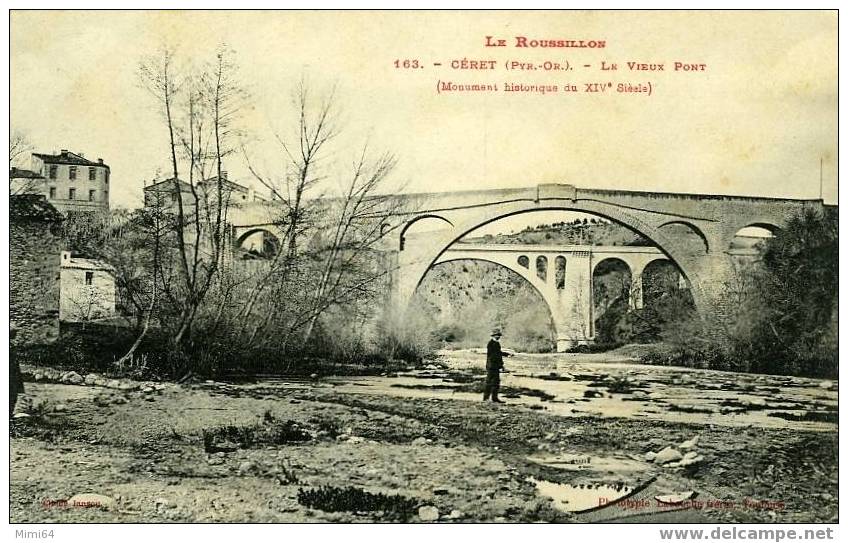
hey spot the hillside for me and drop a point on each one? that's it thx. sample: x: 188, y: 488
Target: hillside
x: 576, y: 232
x: 466, y: 299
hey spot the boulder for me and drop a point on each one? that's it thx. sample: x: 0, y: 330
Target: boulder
x: 667, y: 455
x: 72, y: 378
x: 428, y: 513
x: 456, y: 514
x: 90, y: 379
x: 650, y: 456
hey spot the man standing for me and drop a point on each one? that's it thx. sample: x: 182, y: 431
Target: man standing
x: 494, y: 366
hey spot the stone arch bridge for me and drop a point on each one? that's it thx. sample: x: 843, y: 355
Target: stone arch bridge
x: 694, y: 231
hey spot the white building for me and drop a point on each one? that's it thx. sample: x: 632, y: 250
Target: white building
x: 86, y: 289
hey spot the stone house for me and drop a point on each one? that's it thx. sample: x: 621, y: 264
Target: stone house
x: 34, y: 246
x: 68, y: 180
x: 87, y: 289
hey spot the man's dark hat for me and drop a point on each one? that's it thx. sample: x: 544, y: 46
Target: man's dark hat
x: 496, y: 332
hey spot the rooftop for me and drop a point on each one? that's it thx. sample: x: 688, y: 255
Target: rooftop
x: 69, y: 261
x: 67, y: 157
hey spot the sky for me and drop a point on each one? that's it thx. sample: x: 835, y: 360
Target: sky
x: 759, y: 120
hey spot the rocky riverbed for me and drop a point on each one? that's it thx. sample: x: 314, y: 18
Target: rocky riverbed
x: 666, y: 444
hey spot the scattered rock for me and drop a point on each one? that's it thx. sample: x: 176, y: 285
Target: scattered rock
x: 691, y: 460
x: 246, y: 467
x: 100, y: 382
x: 120, y: 400
x: 90, y: 379
x: 650, y: 456
x: 428, y: 513
x: 691, y: 443
x: 148, y: 389
x: 669, y: 454
x: 355, y: 439
x: 72, y: 378
x: 21, y: 416
x: 162, y: 503
x: 60, y: 408
x: 113, y: 383
x: 91, y: 500
x: 421, y: 441
x: 456, y: 514
x: 827, y: 385
x: 215, y: 460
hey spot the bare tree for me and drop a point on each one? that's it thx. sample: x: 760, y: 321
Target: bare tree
x: 329, y: 238
x: 199, y: 135
x: 19, y: 145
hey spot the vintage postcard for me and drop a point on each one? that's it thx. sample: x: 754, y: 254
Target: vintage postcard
x: 572, y: 267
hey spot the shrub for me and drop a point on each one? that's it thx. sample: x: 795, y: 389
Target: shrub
x: 336, y: 499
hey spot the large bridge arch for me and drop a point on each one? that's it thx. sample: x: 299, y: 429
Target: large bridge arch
x: 415, y: 260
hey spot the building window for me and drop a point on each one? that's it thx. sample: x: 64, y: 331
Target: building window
x: 89, y: 278
x: 91, y: 194
x: 72, y: 173
x: 92, y: 173
x: 72, y: 194
x: 53, y: 171
x: 52, y: 193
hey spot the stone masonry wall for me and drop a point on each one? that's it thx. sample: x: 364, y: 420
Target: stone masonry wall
x: 34, y: 280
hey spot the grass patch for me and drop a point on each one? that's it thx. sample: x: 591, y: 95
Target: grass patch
x: 270, y: 432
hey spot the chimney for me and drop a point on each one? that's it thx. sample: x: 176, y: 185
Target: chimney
x: 66, y: 258
x: 82, y: 155
x: 100, y: 161
x: 64, y: 151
